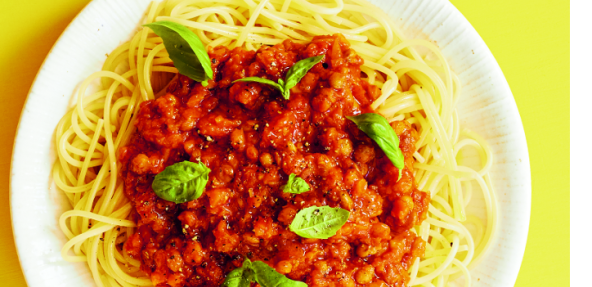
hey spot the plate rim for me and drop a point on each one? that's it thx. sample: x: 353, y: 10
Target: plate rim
x: 17, y: 135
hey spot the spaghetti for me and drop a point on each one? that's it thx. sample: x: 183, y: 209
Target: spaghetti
x: 416, y: 84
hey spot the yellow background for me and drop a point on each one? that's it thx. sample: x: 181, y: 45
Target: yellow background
x: 529, y: 39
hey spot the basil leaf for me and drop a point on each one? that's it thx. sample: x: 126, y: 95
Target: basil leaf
x: 261, y: 273
x: 279, y: 87
x: 268, y: 277
x: 239, y: 277
x: 377, y: 128
x: 181, y: 182
x: 285, y: 92
x: 296, y: 185
x: 293, y: 76
x: 185, y: 49
x: 247, y: 263
x: 319, y: 222
x: 297, y: 72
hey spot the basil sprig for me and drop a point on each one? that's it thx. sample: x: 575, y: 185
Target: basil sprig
x: 280, y: 85
x: 293, y: 76
x: 239, y: 277
x: 268, y: 277
x: 377, y: 128
x: 181, y: 182
x: 296, y: 185
x: 261, y: 273
x: 319, y: 221
x: 185, y: 49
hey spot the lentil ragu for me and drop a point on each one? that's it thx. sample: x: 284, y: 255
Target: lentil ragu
x: 252, y: 140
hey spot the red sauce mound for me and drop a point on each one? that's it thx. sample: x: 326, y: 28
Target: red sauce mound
x: 252, y: 140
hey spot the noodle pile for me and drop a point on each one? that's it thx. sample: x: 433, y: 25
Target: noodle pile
x: 417, y: 87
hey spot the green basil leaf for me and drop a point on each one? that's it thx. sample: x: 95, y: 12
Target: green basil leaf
x: 189, y: 55
x: 285, y: 92
x: 377, y: 128
x: 268, y: 277
x: 296, y: 185
x: 247, y: 263
x: 293, y: 76
x: 279, y: 87
x: 297, y: 72
x: 181, y: 182
x: 319, y: 222
x: 261, y: 273
x: 239, y: 277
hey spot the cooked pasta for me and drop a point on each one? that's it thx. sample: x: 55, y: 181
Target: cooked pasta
x: 416, y: 82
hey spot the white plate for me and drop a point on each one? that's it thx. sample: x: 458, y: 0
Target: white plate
x: 487, y: 107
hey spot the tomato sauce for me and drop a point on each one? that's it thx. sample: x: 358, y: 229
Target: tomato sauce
x: 252, y: 140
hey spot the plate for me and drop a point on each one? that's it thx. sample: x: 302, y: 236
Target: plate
x: 487, y: 107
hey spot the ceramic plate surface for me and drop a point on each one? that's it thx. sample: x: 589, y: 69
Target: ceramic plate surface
x: 487, y: 107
